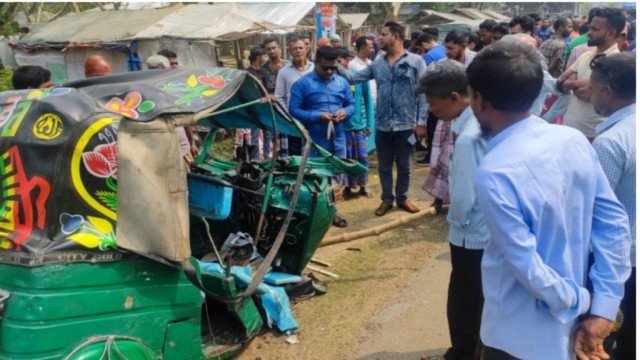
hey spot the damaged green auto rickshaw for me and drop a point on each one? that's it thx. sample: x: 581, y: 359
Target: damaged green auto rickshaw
x: 110, y: 248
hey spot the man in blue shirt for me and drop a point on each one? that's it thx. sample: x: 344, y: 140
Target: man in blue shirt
x: 400, y: 114
x: 434, y: 51
x: 322, y: 101
x: 545, y: 32
x: 445, y: 85
x: 547, y: 204
x: 613, y: 94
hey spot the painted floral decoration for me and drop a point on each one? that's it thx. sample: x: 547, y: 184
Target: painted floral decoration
x: 92, y: 232
x: 102, y: 162
x: 131, y: 106
x: 194, y: 90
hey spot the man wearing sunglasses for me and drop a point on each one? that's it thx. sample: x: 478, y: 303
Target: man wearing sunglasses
x: 322, y: 101
x: 606, y: 25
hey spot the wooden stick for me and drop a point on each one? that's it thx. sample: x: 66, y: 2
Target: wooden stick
x: 323, y: 272
x: 320, y: 262
x: 378, y: 229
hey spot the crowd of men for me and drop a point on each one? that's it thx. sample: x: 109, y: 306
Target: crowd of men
x: 530, y: 130
x: 530, y: 139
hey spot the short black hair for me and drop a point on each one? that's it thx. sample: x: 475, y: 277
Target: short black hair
x: 255, y: 54
x: 508, y: 75
x: 342, y: 51
x: 473, y: 38
x: 534, y: 16
x: 426, y: 38
x: 167, y: 53
x: 395, y: 29
x: 525, y: 22
x: 305, y: 36
x: 326, y: 53
x: 584, y: 28
x: 500, y: 28
x: 615, y: 18
x: 592, y: 13
x: 269, y: 40
x: 619, y: 72
x: 488, y: 24
x: 458, y: 37
x: 432, y: 31
x: 361, y: 42
x: 25, y: 77
x: 559, y: 23
x: 415, y: 34
x: 442, y: 78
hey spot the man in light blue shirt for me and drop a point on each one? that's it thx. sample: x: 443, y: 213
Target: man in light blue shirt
x: 445, y: 85
x: 613, y: 94
x: 399, y: 113
x: 547, y: 204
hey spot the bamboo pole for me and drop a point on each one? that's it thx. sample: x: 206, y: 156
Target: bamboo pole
x: 378, y: 229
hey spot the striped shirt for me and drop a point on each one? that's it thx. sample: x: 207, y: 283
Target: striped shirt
x: 615, y: 145
x: 466, y: 225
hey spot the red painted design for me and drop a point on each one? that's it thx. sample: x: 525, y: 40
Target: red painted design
x: 18, y: 213
x: 126, y: 107
x: 102, y: 161
x: 217, y: 82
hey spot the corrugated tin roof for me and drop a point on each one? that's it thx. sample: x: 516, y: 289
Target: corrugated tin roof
x: 495, y: 15
x: 429, y: 17
x: 354, y: 20
x: 92, y: 27
x: 222, y: 21
x: 284, y: 14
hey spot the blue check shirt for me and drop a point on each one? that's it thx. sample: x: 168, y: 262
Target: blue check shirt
x: 615, y: 144
x: 547, y: 202
x: 467, y: 228
x: 399, y: 107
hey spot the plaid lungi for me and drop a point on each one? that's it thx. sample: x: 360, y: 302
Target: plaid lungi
x: 357, y: 150
x: 437, y: 182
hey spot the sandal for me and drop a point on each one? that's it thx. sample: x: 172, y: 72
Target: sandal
x: 339, y: 222
x: 365, y: 192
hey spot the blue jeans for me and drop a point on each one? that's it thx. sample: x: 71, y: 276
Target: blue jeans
x: 267, y: 138
x: 394, y: 146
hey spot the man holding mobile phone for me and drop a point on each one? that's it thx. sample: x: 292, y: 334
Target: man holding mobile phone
x: 322, y: 101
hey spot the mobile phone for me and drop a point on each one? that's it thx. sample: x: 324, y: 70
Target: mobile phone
x: 412, y: 139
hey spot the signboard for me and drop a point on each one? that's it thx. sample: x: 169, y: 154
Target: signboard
x: 326, y: 19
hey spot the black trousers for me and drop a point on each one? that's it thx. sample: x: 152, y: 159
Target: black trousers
x: 489, y: 353
x: 464, y: 303
x: 626, y: 336
x: 432, y: 122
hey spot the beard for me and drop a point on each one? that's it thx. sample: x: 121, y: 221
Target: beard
x: 595, y: 42
x: 299, y: 60
x: 272, y: 56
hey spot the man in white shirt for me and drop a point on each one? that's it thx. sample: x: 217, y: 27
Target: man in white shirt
x: 364, y: 47
x: 605, y: 27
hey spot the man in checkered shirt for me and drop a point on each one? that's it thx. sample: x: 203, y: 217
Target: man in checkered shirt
x: 553, y: 49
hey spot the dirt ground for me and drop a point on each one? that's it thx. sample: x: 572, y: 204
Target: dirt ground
x: 390, y: 299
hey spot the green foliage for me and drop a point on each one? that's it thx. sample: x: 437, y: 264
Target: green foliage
x: 5, y: 79
x: 108, y: 198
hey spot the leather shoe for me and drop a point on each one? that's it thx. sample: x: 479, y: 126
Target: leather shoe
x: 383, y: 208
x: 408, y: 206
